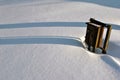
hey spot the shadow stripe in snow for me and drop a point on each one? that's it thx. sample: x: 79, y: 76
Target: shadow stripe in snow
x: 40, y: 40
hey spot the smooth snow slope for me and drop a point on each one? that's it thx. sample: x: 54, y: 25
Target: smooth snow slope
x: 40, y: 40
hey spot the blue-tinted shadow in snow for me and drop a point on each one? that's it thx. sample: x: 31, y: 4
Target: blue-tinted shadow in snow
x: 40, y: 40
x: 109, y: 3
x: 42, y: 24
x: 111, y: 62
x: 114, y: 49
x: 49, y: 24
x: 112, y: 54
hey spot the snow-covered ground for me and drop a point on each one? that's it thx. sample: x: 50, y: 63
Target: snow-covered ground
x: 40, y: 40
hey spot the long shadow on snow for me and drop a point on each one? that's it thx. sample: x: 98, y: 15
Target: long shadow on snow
x: 111, y: 62
x: 109, y: 58
x: 42, y: 24
x: 109, y: 3
x: 49, y: 24
x: 40, y: 40
x: 116, y: 27
x: 114, y: 49
x: 15, y: 2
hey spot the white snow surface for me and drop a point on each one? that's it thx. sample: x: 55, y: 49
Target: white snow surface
x: 40, y: 40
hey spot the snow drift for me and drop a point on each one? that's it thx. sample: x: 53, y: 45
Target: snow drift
x: 40, y: 40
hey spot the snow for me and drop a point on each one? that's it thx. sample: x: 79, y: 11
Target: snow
x: 42, y: 40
